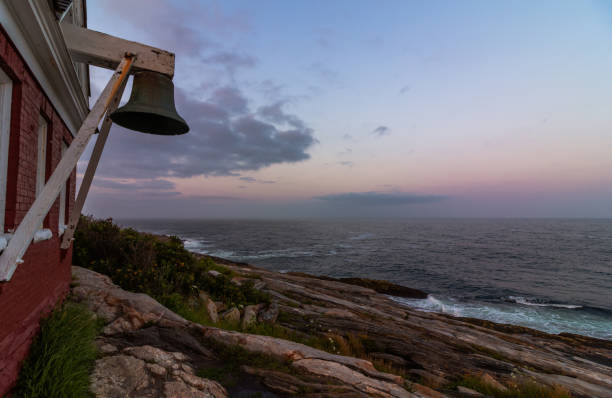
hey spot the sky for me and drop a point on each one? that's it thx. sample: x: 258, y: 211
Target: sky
x: 367, y: 109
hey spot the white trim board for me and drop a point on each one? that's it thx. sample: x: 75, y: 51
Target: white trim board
x: 6, y: 91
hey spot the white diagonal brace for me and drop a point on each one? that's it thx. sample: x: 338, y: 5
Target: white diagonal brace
x: 94, y: 159
x: 20, y: 241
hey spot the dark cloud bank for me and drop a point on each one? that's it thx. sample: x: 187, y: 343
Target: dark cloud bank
x: 226, y: 138
x: 380, y: 198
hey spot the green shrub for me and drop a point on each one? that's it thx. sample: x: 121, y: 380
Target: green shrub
x: 62, y: 356
x: 159, y: 266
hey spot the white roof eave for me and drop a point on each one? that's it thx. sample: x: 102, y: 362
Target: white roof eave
x: 36, y: 33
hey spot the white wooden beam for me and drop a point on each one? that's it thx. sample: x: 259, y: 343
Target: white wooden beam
x: 100, y: 49
x: 94, y: 159
x: 17, y: 246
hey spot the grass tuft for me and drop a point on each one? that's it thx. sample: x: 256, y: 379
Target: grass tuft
x: 62, y: 356
x: 525, y: 389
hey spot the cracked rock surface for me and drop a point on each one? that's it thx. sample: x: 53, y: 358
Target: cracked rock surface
x: 146, y: 371
x: 149, y: 351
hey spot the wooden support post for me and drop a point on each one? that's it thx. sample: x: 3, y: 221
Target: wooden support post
x: 91, y: 170
x: 17, y: 246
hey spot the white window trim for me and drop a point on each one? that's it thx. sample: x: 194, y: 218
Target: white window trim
x: 41, y: 157
x: 61, y: 223
x: 6, y: 92
x: 41, y: 154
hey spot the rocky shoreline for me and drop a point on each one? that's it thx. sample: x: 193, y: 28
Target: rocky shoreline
x: 376, y: 346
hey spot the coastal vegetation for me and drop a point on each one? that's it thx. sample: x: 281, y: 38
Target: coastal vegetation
x: 62, y: 356
x: 161, y: 267
x: 525, y: 389
x: 341, y: 319
x: 158, y: 266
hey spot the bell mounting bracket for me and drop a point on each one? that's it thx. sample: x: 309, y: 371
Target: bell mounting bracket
x: 99, y: 49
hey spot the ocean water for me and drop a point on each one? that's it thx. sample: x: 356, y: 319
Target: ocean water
x: 551, y: 275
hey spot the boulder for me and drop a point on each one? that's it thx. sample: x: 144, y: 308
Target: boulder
x: 434, y: 346
x: 137, y: 372
x: 290, y: 351
x: 250, y: 315
x: 177, y: 341
x: 153, y: 355
x: 119, y: 376
x: 211, y: 310
x: 157, y: 370
x: 238, y: 280
x: 231, y: 315
x: 366, y: 384
x: 107, y: 348
x: 220, y: 306
x: 111, y: 303
x: 259, y: 284
x: 181, y: 390
x: 270, y: 314
x: 214, y: 273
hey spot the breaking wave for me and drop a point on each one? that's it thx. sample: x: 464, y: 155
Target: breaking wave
x: 537, y: 303
x: 547, y: 317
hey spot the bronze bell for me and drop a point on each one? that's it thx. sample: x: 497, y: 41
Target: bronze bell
x: 151, y: 106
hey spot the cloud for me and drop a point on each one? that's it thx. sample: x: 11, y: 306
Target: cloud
x: 380, y: 198
x: 179, y: 23
x: 270, y: 89
x: 324, y: 72
x: 143, y: 184
x: 274, y: 113
x: 323, y: 37
x: 224, y: 139
x: 202, y: 34
x: 347, y: 151
x: 230, y: 133
x: 381, y: 131
x: 229, y: 99
x: 252, y: 179
x: 231, y: 61
x: 405, y: 89
x: 346, y: 163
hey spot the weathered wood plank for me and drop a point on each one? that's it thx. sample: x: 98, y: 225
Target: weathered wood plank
x: 20, y: 241
x: 99, y: 49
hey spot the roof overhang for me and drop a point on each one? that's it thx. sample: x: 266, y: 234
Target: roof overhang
x: 33, y: 28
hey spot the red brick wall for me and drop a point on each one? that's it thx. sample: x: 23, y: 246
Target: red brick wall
x: 44, y: 276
